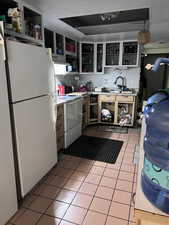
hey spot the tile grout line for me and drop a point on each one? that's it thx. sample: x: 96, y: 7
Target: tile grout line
x: 114, y: 189
x: 73, y: 200
x: 61, y: 188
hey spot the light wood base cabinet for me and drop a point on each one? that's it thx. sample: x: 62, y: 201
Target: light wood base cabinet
x: 116, y: 104
x: 60, y: 127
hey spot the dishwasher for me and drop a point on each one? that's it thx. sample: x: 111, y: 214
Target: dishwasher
x: 72, y: 121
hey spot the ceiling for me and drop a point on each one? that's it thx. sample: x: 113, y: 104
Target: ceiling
x: 54, y: 10
x: 98, y: 24
x: 119, y: 17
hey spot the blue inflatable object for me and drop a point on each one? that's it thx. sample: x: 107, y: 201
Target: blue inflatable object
x: 158, y: 62
x: 157, y: 195
x: 155, y: 174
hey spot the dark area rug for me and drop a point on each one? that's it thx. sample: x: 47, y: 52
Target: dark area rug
x: 113, y: 129
x: 100, y: 149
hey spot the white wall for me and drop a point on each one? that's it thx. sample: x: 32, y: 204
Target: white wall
x: 107, y: 80
x: 67, y: 79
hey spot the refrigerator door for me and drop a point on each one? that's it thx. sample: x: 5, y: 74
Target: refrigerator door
x: 36, y: 140
x: 30, y: 67
x: 8, y: 198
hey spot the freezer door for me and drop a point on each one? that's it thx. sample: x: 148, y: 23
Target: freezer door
x: 8, y: 198
x: 36, y: 140
x: 30, y: 68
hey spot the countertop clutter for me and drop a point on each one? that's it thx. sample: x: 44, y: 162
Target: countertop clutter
x: 75, y: 95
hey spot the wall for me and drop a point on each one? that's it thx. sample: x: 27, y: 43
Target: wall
x: 107, y: 80
x: 67, y: 79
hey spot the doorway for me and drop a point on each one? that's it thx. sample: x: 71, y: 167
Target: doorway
x: 150, y: 81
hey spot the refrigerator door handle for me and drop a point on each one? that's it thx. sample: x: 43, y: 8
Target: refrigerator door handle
x: 2, y: 40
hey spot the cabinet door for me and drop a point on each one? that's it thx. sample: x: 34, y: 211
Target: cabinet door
x: 59, y: 44
x: 99, y: 58
x: 32, y: 23
x: 49, y: 39
x: 87, y: 58
x: 130, y: 53
x: 112, y: 54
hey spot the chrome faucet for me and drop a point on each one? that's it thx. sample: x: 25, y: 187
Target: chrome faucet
x: 123, y: 85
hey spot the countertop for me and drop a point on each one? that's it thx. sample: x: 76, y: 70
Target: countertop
x: 102, y: 93
x: 75, y: 95
x: 112, y: 93
x: 66, y: 98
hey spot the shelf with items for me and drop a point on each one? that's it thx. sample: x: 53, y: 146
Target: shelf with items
x: 15, y: 16
x: 59, y: 44
x: 112, y: 54
x: 130, y: 53
x: 107, y: 112
x: 49, y: 39
x: 22, y: 37
x: 107, y: 108
x: 10, y: 14
x: 32, y: 23
x: 125, y: 113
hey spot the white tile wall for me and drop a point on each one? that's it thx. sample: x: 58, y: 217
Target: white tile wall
x: 107, y: 80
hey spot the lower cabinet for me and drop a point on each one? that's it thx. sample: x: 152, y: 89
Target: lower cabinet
x: 85, y: 111
x: 93, y: 109
x: 116, y: 109
x: 60, y: 126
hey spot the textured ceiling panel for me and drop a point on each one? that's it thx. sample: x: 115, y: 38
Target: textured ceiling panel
x: 120, y: 17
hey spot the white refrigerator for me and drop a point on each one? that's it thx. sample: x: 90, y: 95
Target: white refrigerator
x: 8, y: 196
x: 30, y: 71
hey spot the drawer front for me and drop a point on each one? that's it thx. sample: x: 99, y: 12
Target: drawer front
x: 60, y: 110
x: 107, y: 98
x: 125, y: 98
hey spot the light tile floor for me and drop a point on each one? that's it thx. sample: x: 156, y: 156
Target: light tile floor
x: 85, y: 192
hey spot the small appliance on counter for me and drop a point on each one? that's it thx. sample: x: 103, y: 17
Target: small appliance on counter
x: 61, y: 89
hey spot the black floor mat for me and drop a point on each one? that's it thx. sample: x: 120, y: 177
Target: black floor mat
x: 100, y: 149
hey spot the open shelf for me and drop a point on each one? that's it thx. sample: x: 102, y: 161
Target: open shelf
x: 33, y: 23
x: 23, y: 38
x: 110, y: 106
x: 125, y: 110
x: 5, y: 5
